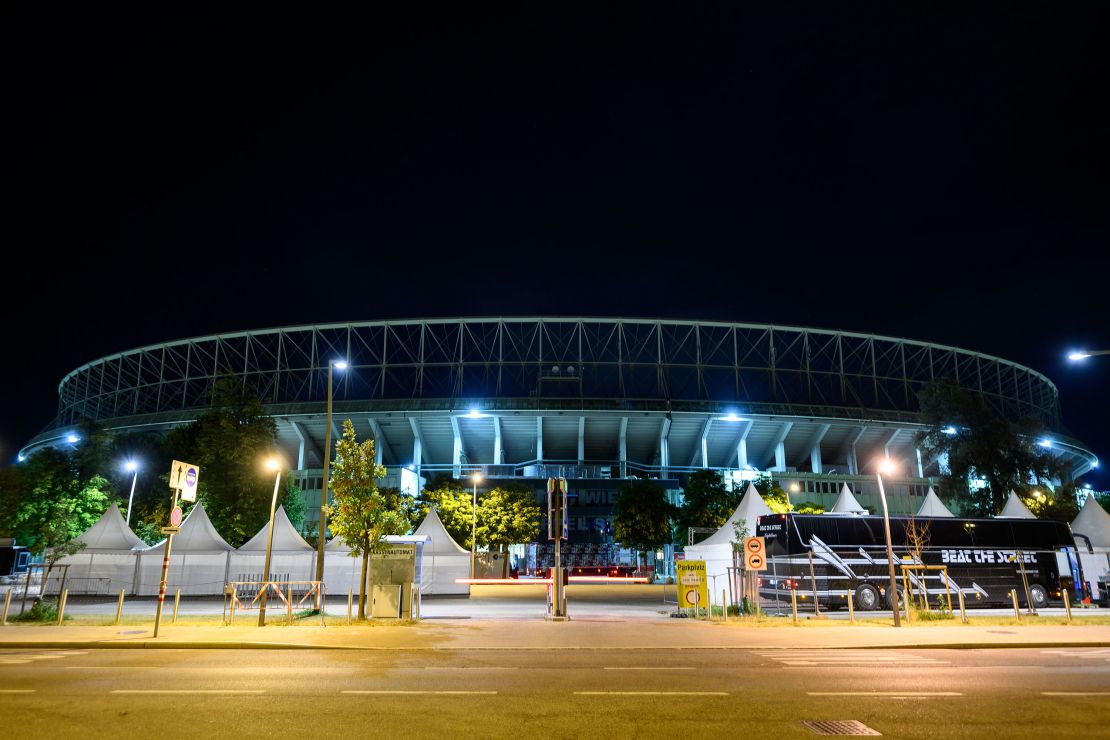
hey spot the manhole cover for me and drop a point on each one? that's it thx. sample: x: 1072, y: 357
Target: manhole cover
x: 839, y: 727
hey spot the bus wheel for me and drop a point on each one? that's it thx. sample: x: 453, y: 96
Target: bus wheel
x: 1038, y: 596
x: 867, y: 597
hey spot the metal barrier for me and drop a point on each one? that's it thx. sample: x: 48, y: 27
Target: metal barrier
x: 240, y: 595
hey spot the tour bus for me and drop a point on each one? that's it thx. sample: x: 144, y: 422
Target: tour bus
x: 829, y: 556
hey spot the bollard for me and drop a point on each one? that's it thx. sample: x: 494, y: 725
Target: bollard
x: 963, y: 612
x: 119, y: 608
x: 906, y: 598
x: 7, y: 603
x: 350, y: 605
x: 62, y: 606
x: 1017, y: 611
x: 794, y: 605
x: 1067, y: 606
x: 289, y: 605
x: 724, y: 605
x: 176, y: 603
x: 851, y: 607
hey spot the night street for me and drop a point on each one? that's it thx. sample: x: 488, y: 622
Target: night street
x: 556, y: 692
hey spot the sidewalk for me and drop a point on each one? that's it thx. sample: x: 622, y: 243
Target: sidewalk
x: 583, y: 634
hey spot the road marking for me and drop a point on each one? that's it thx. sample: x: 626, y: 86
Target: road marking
x: 469, y: 668
x: 847, y: 659
x: 648, y: 668
x: 416, y: 693
x: 17, y: 691
x: 7, y: 661
x: 187, y: 691
x: 1075, y: 693
x: 896, y: 694
x: 1089, y: 654
x: 651, y: 693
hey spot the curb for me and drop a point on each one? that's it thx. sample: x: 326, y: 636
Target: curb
x: 162, y: 645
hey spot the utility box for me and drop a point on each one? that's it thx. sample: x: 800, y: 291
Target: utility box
x: 394, y: 577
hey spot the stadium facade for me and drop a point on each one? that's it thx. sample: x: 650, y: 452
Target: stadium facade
x: 596, y: 400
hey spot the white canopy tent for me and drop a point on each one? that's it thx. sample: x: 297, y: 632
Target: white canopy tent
x: 199, y: 560
x: 107, y: 561
x: 291, y: 558
x: 444, y: 559
x: 1015, y: 509
x: 1094, y: 523
x: 846, y: 503
x: 341, y: 571
x: 933, y: 506
x: 716, y: 550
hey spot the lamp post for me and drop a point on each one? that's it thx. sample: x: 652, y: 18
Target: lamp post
x: 1081, y: 355
x: 271, y: 464
x: 338, y: 365
x: 475, y: 478
x: 132, y: 467
x: 887, y: 466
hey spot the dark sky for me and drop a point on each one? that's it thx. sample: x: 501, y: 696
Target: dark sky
x: 939, y: 174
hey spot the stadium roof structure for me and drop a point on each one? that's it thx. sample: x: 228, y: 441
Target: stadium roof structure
x: 598, y: 397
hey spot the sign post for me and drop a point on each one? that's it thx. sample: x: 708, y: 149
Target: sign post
x: 557, y: 530
x: 183, y: 481
x: 755, y: 561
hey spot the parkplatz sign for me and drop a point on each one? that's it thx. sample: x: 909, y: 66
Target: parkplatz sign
x: 693, y: 589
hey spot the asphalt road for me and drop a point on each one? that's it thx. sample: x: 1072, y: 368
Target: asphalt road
x: 583, y: 692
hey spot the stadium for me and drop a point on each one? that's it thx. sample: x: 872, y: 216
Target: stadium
x: 595, y: 400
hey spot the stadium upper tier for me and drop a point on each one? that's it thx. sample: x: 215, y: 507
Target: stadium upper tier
x: 653, y: 394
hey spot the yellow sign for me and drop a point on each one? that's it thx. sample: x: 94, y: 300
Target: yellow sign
x: 693, y: 590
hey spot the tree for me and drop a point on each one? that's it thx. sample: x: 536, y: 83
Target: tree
x: 453, y: 503
x: 706, y: 502
x: 1046, y: 503
x: 642, y: 517
x: 292, y: 501
x: 779, y: 502
x: 362, y: 514
x: 229, y: 442
x: 507, y: 516
x: 980, y: 443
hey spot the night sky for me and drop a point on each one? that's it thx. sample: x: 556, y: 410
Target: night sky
x: 938, y: 174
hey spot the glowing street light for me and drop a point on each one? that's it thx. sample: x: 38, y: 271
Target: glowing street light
x: 792, y: 488
x: 1080, y: 355
x: 475, y: 478
x: 72, y: 438
x: 132, y: 467
x: 887, y: 466
x: 273, y: 464
x: 337, y: 365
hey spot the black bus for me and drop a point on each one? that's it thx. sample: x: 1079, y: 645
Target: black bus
x: 833, y: 555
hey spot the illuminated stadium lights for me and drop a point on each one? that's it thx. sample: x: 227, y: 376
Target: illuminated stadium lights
x: 1045, y: 443
x: 731, y: 417
x: 949, y: 430
x: 475, y: 414
x: 72, y: 439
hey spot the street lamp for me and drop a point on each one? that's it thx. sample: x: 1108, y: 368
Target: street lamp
x: 475, y: 478
x: 792, y: 488
x: 271, y: 464
x: 1080, y: 355
x: 132, y: 467
x: 338, y: 365
x: 887, y: 466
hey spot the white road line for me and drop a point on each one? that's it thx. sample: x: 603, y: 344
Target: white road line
x: 857, y: 663
x: 187, y: 691
x: 17, y: 691
x: 470, y: 668
x: 13, y: 662
x: 884, y: 693
x: 647, y: 668
x: 1075, y: 693
x: 417, y: 693
x: 651, y: 693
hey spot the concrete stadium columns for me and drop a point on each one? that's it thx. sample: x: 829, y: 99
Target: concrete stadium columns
x: 813, y: 447
x: 539, y: 439
x: 665, y: 445
x: 624, y: 447
x: 456, y: 447
x: 742, y: 445
x: 381, y: 445
x: 498, y: 452
x: 850, y: 450
x: 581, y: 439
x: 778, y: 446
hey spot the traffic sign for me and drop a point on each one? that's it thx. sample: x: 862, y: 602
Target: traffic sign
x: 175, y: 517
x: 755, y: 553
x: 184, y: 478
x: 693, y: 589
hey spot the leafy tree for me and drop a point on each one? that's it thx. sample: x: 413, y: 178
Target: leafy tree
x: 706, y: 502
x: 228, y: 442
x: 1045, y: 503
x: 13, y: 490
x: 152, y: 494
x: 642, y: 517
x: 779, y: 502
x: 292, y: 501
x: 985, y: 445
x: 362, y: 513
x: 453, y: 503
x: 507, y: 516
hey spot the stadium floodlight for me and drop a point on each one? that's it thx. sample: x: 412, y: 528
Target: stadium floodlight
x: 1045, y: 443
x: 339, y: 364
x: 888, y: 466
x: 21, y: 457
x: 72, y: 438
x: 474, y: 414
x: 731, y: 416
x: 949, y: 430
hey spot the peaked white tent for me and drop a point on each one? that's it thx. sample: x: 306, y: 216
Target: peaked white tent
x: 290, y: 556
x: 199, y: 560
x: 107, y: 562
x: 1094, y: 523
x: 444, y: 559
x: 716, y: 550
x: 933, y: 506
x: 1014, y: 509
x: 341, y: 571
x: 846, y: 503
